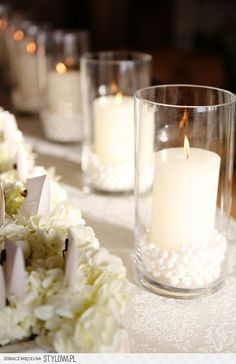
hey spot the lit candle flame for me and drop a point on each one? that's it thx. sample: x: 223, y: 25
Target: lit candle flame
x: 184, y: 121
x: 18, y: 35
x: 186, y: 147
x: 114, y: 87
x: 183, y: 124
x: 70, y: 62
x: 118, y: 98
x: 3, y: 24
x: 61, y: 68
x: 31, y: 47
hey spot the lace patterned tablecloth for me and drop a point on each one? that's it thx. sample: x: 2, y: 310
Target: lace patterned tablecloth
x: 154, y: 323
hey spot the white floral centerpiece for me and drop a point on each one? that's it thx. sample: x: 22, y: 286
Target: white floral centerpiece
x: 85, y: 319
x: 82, y: 318
x: 10, y: 139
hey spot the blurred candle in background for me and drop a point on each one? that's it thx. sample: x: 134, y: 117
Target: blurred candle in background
x: 109, y: 80
x: 61, y: 112
x: 4, y: 16
x: 15, y: 35
x: 63, y: 90
x: 25, y: 95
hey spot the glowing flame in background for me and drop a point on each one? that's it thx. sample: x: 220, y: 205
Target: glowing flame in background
x: 3, y: 24
x: 31, y: 47
x: 118, y: 98
x: 60, y: 68
x: 18, y: 35
x: 114, y: 87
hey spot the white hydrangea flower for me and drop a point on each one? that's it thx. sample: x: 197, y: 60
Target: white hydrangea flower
x: 8, y: 127
x: 88, y: 318
x: 8, y: 152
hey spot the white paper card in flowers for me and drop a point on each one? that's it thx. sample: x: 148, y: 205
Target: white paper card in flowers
x: 2, y: 206
x: 14, y: 268
x: 2, y: 289
x: 72, y: 261
x: 22, y: 163
x: 37, y: 201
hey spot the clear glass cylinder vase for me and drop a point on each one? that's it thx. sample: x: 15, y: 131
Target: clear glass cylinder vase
x: 4, y: 25
x: 25, y: 91
x: 109, y: 80
x: 61, y: 111
x: 184, y: 164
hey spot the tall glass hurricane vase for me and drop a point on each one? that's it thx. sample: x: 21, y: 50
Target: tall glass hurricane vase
x: 61, y: 111
x: 184, y: 164
x: 109, y: 80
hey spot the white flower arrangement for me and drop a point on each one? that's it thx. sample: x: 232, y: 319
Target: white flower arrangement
x: 10, y: 140
x: 85, y: 318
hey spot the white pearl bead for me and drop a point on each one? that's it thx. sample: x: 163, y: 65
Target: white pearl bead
x: 207, y: 278
x: 170, y: 264
x: 174, y: 281
x: 198, y: 281
x: 186, y: 282
x: 173, y: 256
x: 163, y: 254
x: 180, y: 271
x: 168, y: 274
x: 183, y: 248
x: 156, y: 273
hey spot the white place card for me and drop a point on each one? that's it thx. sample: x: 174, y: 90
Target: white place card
x: 14, y: 267
x: 38, y: 200
x: 2, y: 206
x: 2, y: 289
x: 72, y: 261
x: 22, y: 163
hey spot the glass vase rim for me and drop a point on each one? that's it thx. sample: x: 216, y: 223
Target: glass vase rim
x: 141, y: 57
x: 155, y: 103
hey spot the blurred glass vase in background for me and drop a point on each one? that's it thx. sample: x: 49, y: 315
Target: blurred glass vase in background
x: 109, y: 80
x: 61, y: 111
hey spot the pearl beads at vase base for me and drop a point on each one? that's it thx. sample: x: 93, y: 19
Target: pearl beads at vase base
x: 64, y: 127
x: 108, y: 178
x: 114, y: 178
x: 190, y: 267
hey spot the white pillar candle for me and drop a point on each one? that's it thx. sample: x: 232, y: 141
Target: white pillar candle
x: 63, y: 90
x: 13, y: 46
x: 28, y: 85
x: 114, y: 129
x: 25, y: 94
x: 184, y: 198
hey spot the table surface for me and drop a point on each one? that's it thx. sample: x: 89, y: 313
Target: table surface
x: 154, y: 323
